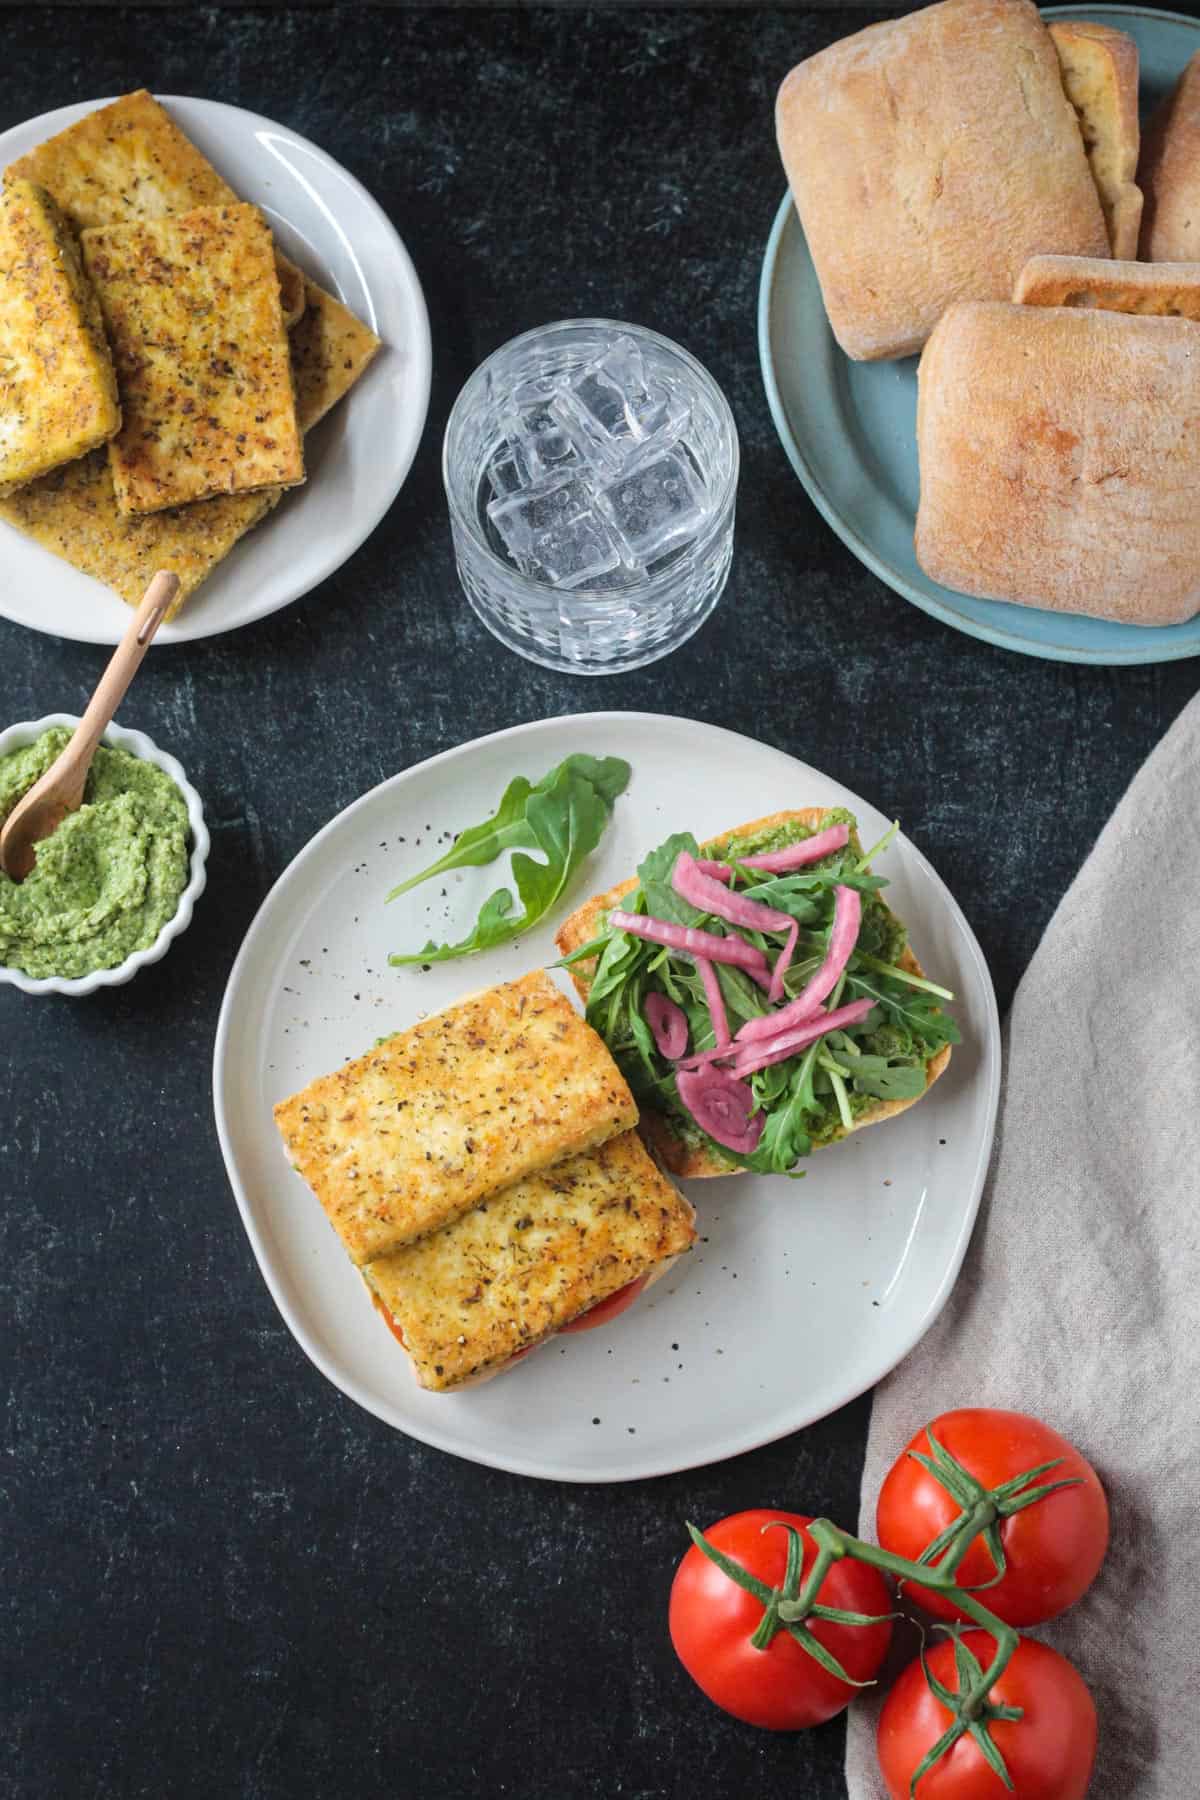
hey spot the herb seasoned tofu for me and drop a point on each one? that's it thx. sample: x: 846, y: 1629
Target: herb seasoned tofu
x: 521, y: 1265
x: 58, y: 393
x: 330, y: 350
x: 74, y: 512
x: 130, y: 161
x: 406, y: 1138
x: 191, y: 305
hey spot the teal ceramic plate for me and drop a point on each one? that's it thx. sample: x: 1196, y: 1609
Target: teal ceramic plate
x: 850, y: 428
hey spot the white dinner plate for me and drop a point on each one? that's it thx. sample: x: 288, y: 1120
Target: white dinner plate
x: 799, y: 1294
x: 357, y: 458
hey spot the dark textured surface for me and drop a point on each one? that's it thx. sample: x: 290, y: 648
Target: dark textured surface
x: 221, y: 1578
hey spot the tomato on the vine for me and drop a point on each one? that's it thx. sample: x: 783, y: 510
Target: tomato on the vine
x: 781, y: 1687
x: 1048, y: 1752
x: 1051, y: 1547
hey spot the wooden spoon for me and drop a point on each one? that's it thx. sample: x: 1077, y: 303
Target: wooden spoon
x: 40, y: 812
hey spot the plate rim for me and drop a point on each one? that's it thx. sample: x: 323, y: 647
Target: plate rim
x: 924, y: 598
x: 420, y: 352
x: 260, y: 928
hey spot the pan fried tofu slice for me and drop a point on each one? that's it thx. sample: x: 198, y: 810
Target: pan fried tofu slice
x: 74, y: 513
x: 130, y: 161
x: 58, y: 393
x: 520, y: 1266
x: 192, y: 309
x: 406, y: 1138
x: 330, y: 350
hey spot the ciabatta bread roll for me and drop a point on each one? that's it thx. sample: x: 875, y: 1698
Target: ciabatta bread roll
x: 1157, y: 290
x: 1100, y: 74
x: 929, y: 158
x: 1060, y: 460
x: 1170, y: 174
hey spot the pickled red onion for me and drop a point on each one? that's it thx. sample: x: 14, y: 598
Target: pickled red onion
x: 733, y: 950
x: 847, y: 917
x: 669, y: 1024
x: 762, y: 1052
x: 716, y: 1001
x: 798, y: 856
x: 722, y: 1107
x: 690, y: 881
x: 782, y: 862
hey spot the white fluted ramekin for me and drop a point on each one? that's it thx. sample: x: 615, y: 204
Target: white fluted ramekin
x: 117, y: 737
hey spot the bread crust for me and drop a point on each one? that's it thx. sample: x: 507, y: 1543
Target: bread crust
x: 1060, y: 460
x: 1099, y: 68
x: 682, y: 1161
x: 1155, y: 290
x: 1170, y: 174
x: 929, y: 158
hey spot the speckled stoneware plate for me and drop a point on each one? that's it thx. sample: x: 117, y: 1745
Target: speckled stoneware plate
x: 799, y: 1295
x: 850, y: 428
x: 356, y: 459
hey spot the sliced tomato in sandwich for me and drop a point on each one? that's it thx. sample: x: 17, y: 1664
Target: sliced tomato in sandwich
x: 605, y: 1311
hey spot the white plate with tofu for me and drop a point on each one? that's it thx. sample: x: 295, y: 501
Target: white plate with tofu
x: 797, y: 1295
x: 356, y: 458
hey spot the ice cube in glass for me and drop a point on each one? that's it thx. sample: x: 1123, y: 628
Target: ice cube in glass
x: 656, y: 505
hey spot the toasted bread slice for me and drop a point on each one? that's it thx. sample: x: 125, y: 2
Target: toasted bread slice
x: 74, y: 513
x: 406, y: 1138
x: 1170, y: 173
x: 1159, y: 290
x: 1100, y: 76
x: 191, y: 305
x: 58, y: 392
x: 524, y: 1263
x: 682, y: 1159
x: 130, y: 161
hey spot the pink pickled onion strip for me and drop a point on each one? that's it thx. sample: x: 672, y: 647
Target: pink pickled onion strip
x: 733, y: 950
x: 783, y: 962
x: 669, y: 1024
x: 722, y: 1107
x: 716, y: 1002
x: 690, y: 881
x: 798, y: 856
x: 782, y: 862
x: 847, y: 917
x: 762, y: 1052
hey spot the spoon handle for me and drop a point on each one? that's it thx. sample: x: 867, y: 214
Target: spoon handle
x: 126, y: 660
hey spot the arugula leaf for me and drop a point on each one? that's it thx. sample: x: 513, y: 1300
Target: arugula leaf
x: 914, y: 1011
x: 512, y: 825
x: 566, y: 820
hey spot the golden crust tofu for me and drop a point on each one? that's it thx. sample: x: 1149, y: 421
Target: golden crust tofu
x: 191, y: 305
x: 58, y: 392
x: 520, y: 1266
x: 130, y: 161
x: 330, y: 350
x: 74, y: 513
x: 404, y: 1139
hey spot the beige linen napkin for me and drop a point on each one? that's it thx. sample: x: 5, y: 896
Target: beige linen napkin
x: 1080, y: 1297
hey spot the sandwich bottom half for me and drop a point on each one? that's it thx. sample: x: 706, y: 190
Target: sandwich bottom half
x: 467, y: 1300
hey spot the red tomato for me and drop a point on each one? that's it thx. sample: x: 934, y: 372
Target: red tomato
x: 605, y: 1311
x: 1053, y: 1548
x: 1049, y: 1753
x: 712, y: 1621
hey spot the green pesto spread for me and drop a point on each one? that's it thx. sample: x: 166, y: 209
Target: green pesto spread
x: 109, y: 878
